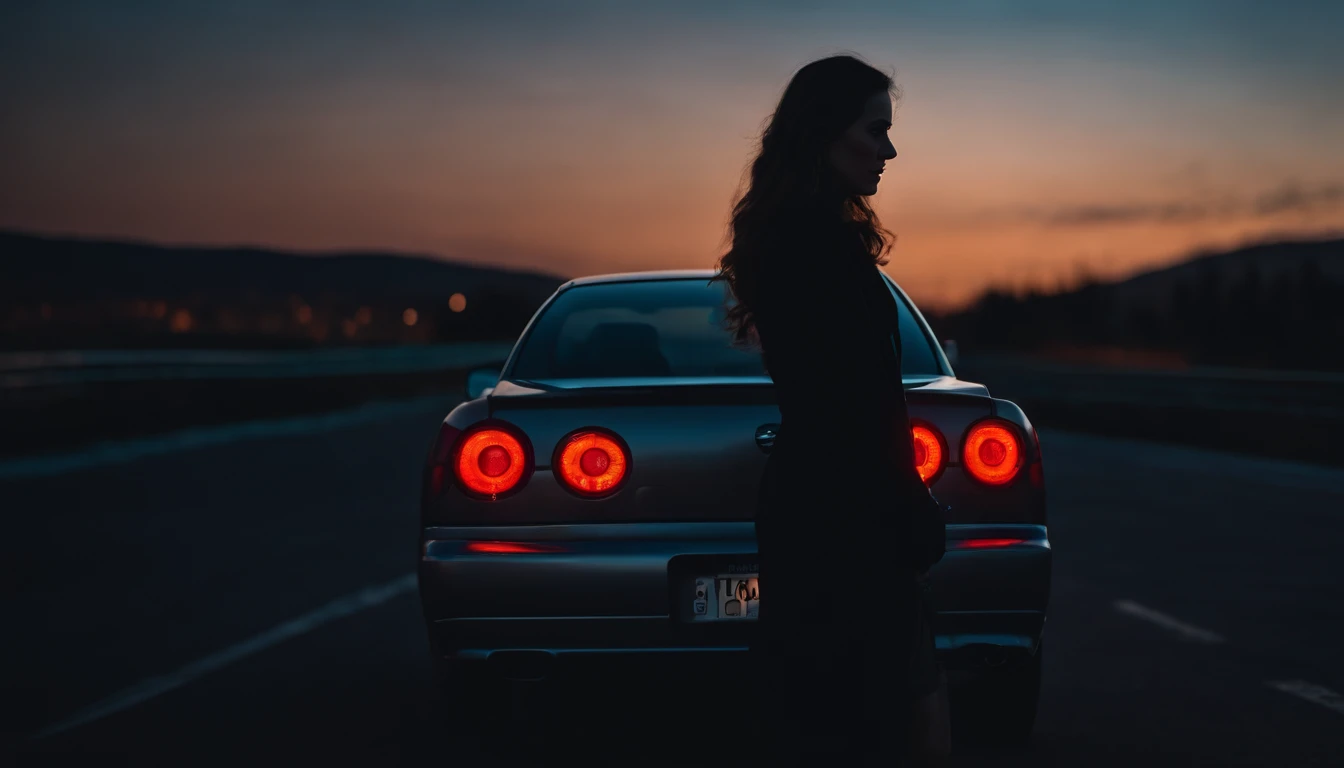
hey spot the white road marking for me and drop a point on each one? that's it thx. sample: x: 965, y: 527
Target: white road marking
x: 122, y: 451
x: 1188, y: 631
x: 1316, y: 694
x: 157, y: 686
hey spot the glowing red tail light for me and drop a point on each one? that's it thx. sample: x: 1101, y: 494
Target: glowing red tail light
x: 509, y: 548
x: 992, y: 452
x: 592, y: 462
x: 988, y: 543
x: 490, y: 461
x: 929, y: 454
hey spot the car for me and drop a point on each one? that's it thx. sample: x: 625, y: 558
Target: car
x: 594, y: 499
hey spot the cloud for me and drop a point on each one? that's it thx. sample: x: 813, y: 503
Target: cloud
x: 1089, y: 215
x: 1292, y: 197
x: 1286, y: 198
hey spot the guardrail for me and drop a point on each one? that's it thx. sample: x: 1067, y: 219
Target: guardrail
x: 1291, y: 414
x: 53, y: 401
x: 50, y: 398
x: 1300, y: 393
x: 26, y: 370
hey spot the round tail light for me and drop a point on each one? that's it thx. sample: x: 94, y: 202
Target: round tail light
x: 992, y: 453
x: 929, y: 453
x: 490, y: 461
x: 592, y: 462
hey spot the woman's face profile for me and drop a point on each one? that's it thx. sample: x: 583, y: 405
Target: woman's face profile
x: 860, y: 154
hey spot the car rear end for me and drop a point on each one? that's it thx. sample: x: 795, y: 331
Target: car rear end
x: 553, y: 567
x: 573, y: 517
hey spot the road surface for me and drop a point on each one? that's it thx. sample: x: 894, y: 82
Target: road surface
x: 240, y: 595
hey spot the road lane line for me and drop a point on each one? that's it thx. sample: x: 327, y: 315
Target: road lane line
x: 1188, y: 631
x: 122, y: 451
x: 349, y: 605
x: 1316, y: 694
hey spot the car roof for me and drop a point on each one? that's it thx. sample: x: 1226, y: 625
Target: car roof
x: 645, y: 276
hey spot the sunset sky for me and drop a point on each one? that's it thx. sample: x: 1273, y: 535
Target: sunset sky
x: 1037, y: 139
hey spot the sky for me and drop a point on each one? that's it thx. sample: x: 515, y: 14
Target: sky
x: 1039, y: 141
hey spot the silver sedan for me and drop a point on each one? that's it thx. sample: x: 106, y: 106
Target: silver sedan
x: 595, y: 498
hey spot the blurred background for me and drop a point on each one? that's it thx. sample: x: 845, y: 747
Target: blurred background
x: 1155, y: 186
x: 1126, y: 217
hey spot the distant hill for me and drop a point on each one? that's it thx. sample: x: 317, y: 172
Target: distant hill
x: 58, y: 292
x: 70, y: 269
x: 1277, y: 305
x: 1269, y: 263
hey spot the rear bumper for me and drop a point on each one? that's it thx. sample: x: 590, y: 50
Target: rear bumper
x: 603, y: 589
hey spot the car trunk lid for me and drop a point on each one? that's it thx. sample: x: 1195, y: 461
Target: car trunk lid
x: 697, y: 449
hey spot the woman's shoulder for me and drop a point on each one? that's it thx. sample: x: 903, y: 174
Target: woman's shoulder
x: 813, y: 255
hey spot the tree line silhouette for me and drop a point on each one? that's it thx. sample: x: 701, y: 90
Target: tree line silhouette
x: 76, y: 294
x: 1273, y: 306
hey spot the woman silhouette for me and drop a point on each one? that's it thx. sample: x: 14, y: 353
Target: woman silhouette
x: 848, y: 676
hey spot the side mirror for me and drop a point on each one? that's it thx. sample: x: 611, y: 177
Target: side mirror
x: 481, y: 382
x: 950, y: 350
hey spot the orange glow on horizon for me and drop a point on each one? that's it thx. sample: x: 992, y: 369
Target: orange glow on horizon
x: 1028, y: 158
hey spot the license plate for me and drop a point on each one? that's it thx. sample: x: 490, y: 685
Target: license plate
x: 726, y: 597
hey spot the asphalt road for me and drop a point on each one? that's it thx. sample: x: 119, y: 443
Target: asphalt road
x: 241, y: 597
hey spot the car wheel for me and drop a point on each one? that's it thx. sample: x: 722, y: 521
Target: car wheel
x: 1000, y: 706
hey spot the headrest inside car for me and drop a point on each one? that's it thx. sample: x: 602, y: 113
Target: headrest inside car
x: 625, y: 349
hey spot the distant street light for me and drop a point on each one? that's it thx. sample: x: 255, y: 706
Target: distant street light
x: 457, y: 302
x: 410, y: 316
x: 181, y: 322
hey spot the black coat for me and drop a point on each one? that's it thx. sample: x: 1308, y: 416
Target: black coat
x: 844, y: 523
x: 828, y: 328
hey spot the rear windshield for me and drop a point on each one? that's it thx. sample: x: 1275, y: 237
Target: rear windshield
x: 659, y: 328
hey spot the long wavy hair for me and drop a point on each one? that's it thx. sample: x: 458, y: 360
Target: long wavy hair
x: 791, y: 177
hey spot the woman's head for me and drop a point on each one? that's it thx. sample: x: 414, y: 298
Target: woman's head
x: 821, y: 155
x: 827, y: 139
x: 860, y: 155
